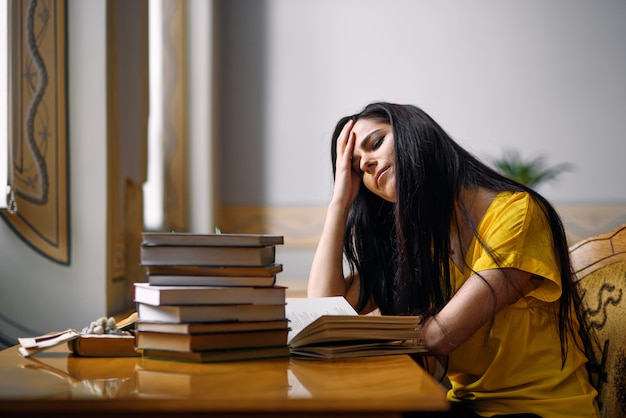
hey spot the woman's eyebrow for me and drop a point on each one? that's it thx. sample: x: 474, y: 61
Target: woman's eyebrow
x: 368, y: 137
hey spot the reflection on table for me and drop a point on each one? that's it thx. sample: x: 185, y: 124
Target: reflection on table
x: 56, y: 380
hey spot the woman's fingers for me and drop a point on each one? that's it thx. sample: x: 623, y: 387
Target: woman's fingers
x: 347, y: 181
x: 345, y: 146
x: 349, y: 149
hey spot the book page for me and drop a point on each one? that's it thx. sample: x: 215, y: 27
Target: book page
x: 302, y: 311
x: 30, y: 346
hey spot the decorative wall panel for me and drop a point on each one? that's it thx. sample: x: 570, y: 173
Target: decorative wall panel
x: 38, y: 139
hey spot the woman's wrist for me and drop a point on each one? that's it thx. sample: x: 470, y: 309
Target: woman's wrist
x: 339, y: 207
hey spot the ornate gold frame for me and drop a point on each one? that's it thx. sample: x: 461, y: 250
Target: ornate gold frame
x: 38, y: 126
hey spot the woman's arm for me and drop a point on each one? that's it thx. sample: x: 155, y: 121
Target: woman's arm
x: 326, y: 275
x: 474, y: 305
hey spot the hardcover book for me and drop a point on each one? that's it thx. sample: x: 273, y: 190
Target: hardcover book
x: 211, y: 341
x: 202, y: 270
x: 210, y: 240
x: 199, y: 280
x: 205, y: 295
x: 103, y: 346
x: 210, y: 313
x: 213, y: 256
x: 206, y: 327
x: 177, y: 275
x: 87, y: 345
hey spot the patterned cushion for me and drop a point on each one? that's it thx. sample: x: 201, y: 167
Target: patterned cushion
x: 604, y: 297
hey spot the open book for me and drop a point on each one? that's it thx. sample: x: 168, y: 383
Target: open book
x: 331, y: 328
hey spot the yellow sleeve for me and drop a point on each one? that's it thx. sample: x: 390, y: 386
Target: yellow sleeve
x: 517, y: 231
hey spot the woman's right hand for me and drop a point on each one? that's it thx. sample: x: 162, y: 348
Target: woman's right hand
x: 347, y: 181
x: 326, y: 276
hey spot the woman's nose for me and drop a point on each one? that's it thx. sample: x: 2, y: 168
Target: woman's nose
x: 367, y: 164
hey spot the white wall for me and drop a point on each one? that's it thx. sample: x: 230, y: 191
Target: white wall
x: 545, y: 77
x: 36, y: 293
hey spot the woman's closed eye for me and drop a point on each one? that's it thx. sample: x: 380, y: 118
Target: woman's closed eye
x: 378, y: 142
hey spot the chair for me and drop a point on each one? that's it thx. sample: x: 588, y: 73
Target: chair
x: 600, y: 266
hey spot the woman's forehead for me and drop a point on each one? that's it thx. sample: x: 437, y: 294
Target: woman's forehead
x: 363, y: 127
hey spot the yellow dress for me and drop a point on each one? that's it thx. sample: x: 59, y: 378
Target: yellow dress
x: 513, y: 365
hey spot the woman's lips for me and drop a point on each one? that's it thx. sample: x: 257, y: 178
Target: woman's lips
x: 380, y: 174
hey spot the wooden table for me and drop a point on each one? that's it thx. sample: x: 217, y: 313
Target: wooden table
x: 57, y: 383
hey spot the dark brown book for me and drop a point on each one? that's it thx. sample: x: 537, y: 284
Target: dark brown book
x: 103, y: 346
x: 210, y: 240
x: 185, y: 280
x: 206, y: 327
x: 207, y: 295
x: 202, y: 270
x: 217, y: 355
x: 211, y: 341
x: 211, y: 256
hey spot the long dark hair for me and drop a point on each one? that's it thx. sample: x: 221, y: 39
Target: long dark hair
x: 401, y: 251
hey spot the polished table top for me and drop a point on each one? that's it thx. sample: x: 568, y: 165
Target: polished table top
x: 58, y: 381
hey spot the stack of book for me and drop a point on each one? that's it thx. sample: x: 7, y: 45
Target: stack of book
x: 211, y: 297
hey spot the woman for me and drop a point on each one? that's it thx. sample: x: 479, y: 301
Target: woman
x: 427, y: 229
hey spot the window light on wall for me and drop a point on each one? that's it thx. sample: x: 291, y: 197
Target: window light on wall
x: 153, y: 188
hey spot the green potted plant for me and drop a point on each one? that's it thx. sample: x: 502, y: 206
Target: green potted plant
x: 530, y: 171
